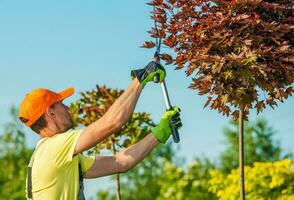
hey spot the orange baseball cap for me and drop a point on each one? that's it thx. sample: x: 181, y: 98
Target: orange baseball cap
x: 37, y: 101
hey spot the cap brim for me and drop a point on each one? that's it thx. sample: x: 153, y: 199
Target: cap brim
x: 66, y: 93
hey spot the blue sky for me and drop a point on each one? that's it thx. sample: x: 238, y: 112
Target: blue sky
x: 57, y: 44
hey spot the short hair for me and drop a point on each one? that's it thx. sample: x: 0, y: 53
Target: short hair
x: 40, y: 124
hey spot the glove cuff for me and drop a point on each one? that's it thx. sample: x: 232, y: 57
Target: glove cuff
x: 140, y: 74
x: 161, y: 134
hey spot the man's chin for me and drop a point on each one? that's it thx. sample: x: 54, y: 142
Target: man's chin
x: 70, y: 123
x: 69, y: 126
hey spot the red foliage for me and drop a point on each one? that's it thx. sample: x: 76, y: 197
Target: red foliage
x: 240, y: 53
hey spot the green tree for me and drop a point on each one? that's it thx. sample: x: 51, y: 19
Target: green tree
x: 14, y: 157
x: 159, y: 176
x: 260, y: 146
x: 187, y: 183
x: 93, y: 105
x: 162, y: 177
x: 141, y: 182
x: 265, y: 181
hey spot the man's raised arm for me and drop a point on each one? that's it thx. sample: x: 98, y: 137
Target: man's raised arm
x: 119, y: 113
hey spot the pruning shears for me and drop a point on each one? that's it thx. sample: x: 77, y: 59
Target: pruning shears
x: 168, y: 105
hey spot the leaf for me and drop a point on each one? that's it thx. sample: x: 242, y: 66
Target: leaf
x: 155, y: 3
x: 217, y: 67
x: 167, y: 58
x: 215, y: 104
x: 159, y: 18
x: 172, y: 1
x: 207, y: 102
x: 180, y: 66
x: 153, y: 33
x: 242, y: 16
x: 157, y: 33
x: 289, y: 91
x: 284, y: 48
x: 280, y: 94
x: 158, y: 11
x: 235, y: 115
x: 170, y: 41
x: 260, y: 105
x: 248, y: 42
x: 270, y: 101
x: 179, y: 58
x: 225, y: 98
x: 228, y: 74
x: 148, y: 44
x: 190, y: 69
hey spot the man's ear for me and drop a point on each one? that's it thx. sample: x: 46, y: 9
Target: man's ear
x: 49, y: 113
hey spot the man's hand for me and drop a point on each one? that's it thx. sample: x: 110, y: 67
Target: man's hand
x: 170, y: 118
x: 147, y: 73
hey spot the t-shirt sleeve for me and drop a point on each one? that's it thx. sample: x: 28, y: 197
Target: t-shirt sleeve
x: 64, y: 145
x: 86, y: 162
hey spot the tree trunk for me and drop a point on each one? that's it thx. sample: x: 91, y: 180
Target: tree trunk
x: 118, y: 195
x: 241, y: 153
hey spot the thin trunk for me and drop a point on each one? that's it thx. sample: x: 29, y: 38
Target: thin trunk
x: 241, y: 153
x: 118, y: 195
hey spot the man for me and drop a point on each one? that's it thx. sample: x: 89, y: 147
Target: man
x: 57, y: 167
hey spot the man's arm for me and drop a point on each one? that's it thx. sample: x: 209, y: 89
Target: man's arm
x: 122, y: 109
x: 122, y: 161
x: 116, y: 116
x: 128, y: 158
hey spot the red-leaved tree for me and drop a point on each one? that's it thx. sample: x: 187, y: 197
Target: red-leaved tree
x: 238, y: 52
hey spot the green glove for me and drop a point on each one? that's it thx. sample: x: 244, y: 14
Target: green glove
x: 163, y: 130
x: 147, y: 73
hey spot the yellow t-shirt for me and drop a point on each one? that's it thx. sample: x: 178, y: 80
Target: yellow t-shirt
x: 55, y: 172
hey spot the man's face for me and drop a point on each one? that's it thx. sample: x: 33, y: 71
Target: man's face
x: 63, y: 119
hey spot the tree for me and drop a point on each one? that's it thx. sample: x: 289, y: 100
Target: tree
x: 93, y: 105
x: 240, y: 52
x: 260, y: 145
x: 141, y: 182
x: 187, y: 183
x: 265, y: 180
x: 236, y: 50
x: 14, y: 157
x: 166, y: 178
x: 159, y: 176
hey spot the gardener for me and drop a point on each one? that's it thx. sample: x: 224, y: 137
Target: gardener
x: 57, y: 167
